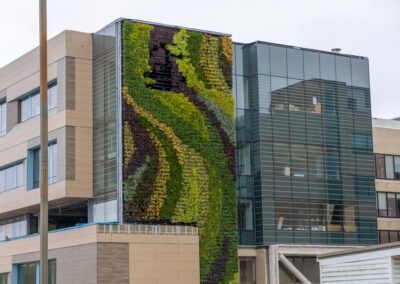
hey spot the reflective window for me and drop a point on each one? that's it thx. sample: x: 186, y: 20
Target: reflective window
x: 263, y: 64
x: 34, y: 166
x: 312, y: 97
x: 245, y: 215
x: 281, y: 159
x: 30, y: 105
x: 295, y: 93
x: 279, y: 93
x: 242, y: 92
x: 283, y: 212
x: 380, y: 166
x: 382, y: 204
x: 350, y: 225
x: 3, y: 278
x: 295, y: 63
x: 328, y: 70
x: 52, y: 97
x: 343, y: 70
x: 11, y: 177
x: 28, y: 273
x: 247, y: 270
x: 335, y: 217
x: 299, y: 161
x: 360, y: 72
x: 311, y: 65
x: 388, y: 236
x: 244, y: 159
x: 315, y: 161
x: 389, y: 168
x: 397, y: 167
x: 278, y: 61
x: 13, y: 228
x: 3, y: 118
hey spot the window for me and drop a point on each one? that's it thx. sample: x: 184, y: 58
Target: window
x: 246, y: 215
x: 34, y: 166
x: 3, y: 278
x: 3, y: 119
x: 244, y: 159
x: 382, y: 204
x: 388, y: 236
x: 247, y: 270
x: 28, y: 273
x: 380, y: 166
x: 13, y: 228
x: 52, y: 96
x: 281, y: 159
x: 389, y: 167
x: 11, y: 177
x: 388, y: 204
x: 391, y: 204
x: 30, y: 105
x: 397, y: 167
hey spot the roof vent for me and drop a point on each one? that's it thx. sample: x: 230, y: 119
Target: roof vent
x: 336, y: 50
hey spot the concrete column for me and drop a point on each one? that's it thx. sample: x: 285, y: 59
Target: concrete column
x: 273, y: 265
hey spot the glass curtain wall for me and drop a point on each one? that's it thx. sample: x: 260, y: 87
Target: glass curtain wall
x: 104, y: 207
x: 310, y: 133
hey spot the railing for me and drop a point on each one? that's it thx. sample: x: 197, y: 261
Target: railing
x: 148, y: 229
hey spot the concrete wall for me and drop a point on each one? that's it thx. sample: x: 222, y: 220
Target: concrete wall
x: 85, y: 256
x: 70, y: 63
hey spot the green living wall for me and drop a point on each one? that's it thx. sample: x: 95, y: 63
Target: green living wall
x: 179, y: 138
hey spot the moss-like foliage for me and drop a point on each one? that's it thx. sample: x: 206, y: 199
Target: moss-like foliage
x: 179, y: 162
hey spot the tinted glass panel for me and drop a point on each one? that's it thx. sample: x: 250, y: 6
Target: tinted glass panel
x: 295, y: 63
x: 382, y: 204
x: 397, y: 167
x: 360, y: 72
x: 391, y: 204
x: 311, y: 65
x: 278, y: 61
x: 246, y: 215
x: 327, y: 66
x: 383, y: 237
x: 343, y: 70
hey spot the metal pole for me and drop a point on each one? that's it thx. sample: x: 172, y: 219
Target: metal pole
x: 43, y: 146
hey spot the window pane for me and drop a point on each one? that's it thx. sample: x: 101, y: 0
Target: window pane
x: 52, y: 97
x: 383, y: 237
x: 281, y: 159
x: 382, y: 204
x: 380, y: 166
x: 350, y: 225
x: 3, y: 117
x: 2, y: 180
x: 393, y: 236
x: 278, y: 61
x: 327, y: 66
x: 25, y: 109
x: 3, y: 278
x: 35, y: 105
x: 295, y: 63
x: 335, y: 217
x: 242, y: 92
x: 391, y: 204
x: 315, y: 161
x: 311, y: 65
x: 283, y: 215
x: 343, y: 69
x: 279, y: 93
x: 312, y: 97
x: 247, y: 270
x: 360, y: 72
x: 52, y: 163
x: 36, y: 168
x: 299, y: 161
x: 397, y: 167
x: 295, y: 94
x: 244, y: 159
x: 389, y: 167
x: 246, y: 215
x: 317, y: 216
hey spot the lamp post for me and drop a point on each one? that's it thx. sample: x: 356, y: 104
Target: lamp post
x: 44, y: 263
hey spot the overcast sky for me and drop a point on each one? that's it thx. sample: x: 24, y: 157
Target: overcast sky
x: 362, y: 27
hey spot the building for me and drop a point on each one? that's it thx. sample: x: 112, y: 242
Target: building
x: 372, y: 264
x: 386, y: 133
x: 142, y: 150
x: 305, y: 159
